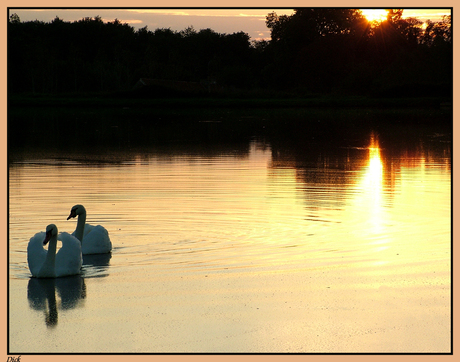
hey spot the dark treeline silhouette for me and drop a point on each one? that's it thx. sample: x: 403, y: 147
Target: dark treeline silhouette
x: 312, y: 51
x: 331, y: 49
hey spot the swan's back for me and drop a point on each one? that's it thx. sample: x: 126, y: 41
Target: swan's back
x: 68, y: 258
x: 96, y: 241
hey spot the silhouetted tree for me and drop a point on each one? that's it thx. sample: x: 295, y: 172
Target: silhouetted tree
x: 438, y: 33
x: 308, y: 46
x: 14, y: 19
x: 326, y: 49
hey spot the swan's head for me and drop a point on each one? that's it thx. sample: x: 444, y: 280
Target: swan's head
x: 51, y: 230
x: 76, y: 210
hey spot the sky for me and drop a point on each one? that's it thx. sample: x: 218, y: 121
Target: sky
x: 250, y: 21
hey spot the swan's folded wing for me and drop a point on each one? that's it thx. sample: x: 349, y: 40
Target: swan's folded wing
x: 88, y: 229
x: 36, y: 255
x: 68, y: 258
x: 97, y: 241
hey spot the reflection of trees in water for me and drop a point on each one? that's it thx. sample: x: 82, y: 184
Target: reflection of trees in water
x: 129, y: 128
x: 319, y: 169
x: 41, y: 294
x: 104, y: 138
x: 324, y: 138
x: 327, y: 170
x: 342, y: 148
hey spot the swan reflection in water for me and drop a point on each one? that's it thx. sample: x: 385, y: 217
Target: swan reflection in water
x: 71, y: 290
x: 41, y: 294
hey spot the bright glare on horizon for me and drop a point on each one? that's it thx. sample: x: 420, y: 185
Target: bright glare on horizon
x: 375, y: 14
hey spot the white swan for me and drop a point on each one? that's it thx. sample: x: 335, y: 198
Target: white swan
x: 94, y: 239
x: 48, y: 264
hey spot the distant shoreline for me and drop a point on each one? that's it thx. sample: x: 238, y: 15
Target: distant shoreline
x: 239, y: 101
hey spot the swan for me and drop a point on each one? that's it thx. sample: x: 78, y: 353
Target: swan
x: 94, y: 239
x: 49, y: 264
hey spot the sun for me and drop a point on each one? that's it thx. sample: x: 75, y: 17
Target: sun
x: 375, y: 14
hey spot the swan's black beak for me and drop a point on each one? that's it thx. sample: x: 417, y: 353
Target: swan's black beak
x: 47, y: 238
x: 72, y: 214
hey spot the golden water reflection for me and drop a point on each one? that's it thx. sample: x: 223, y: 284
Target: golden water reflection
x: 381, y: 201
x: 372, y: 186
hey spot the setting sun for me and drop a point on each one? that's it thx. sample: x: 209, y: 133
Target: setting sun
x: 375, y: 14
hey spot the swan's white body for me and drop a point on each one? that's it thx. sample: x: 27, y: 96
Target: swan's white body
x: 94, y: 239
x: 49, y: 264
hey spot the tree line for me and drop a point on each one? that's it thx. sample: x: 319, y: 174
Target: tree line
x: 317, y: 50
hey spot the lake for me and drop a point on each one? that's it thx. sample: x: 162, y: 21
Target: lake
x: 246, y: 233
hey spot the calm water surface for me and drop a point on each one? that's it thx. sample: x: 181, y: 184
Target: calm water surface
x: 259, y: 246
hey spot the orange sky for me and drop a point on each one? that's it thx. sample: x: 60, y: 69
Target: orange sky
x: 251, y: 21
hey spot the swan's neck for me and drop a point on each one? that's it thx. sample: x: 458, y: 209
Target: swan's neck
x: 80, y: 226
x: 48, y: 266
